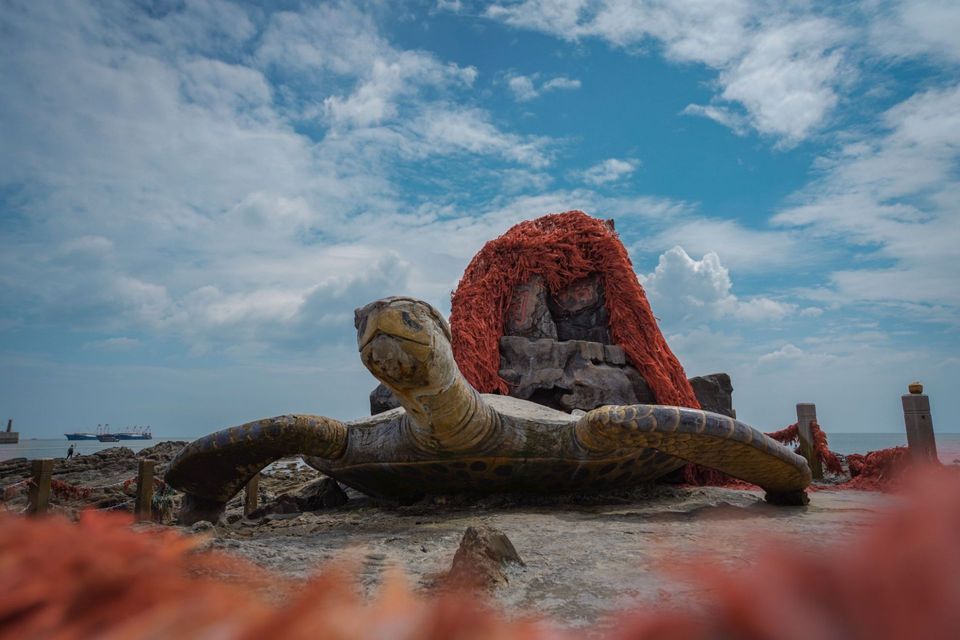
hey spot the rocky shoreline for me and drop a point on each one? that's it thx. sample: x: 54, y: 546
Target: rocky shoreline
x: 580, y: 556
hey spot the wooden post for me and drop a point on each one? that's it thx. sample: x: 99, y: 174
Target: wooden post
x: 919, y: 424
x: 252, y: 493
x: 806, y: 414
x: 39, y: 494
x: 143, y: 510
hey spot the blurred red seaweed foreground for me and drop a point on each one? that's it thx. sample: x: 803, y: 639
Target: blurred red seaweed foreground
x: 901, y: 579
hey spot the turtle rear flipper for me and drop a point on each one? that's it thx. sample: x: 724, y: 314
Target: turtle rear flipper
x: 214, y: 468
x: 709, y: 439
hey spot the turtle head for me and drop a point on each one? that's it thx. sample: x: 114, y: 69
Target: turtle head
x: 405, y: 343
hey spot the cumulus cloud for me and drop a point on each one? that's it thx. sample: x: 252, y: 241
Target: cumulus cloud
x: 560, y: 83
x: 522, y: 87
x: 741, y: 248
x: 683, y: 288
x: 609, y: 170
x: 786, y: 352
x: 526, y: 88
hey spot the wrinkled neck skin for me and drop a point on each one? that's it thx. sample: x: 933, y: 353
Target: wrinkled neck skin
x: 405, y: 343
x: 448, y: 415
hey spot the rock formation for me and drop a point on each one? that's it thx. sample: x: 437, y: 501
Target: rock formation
x: 481, y: 559
x: 557, y: 351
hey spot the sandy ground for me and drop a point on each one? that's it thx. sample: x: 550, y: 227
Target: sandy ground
x: 585, y: 556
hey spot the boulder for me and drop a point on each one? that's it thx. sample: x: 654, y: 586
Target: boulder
x: 481, y: 559
x: 324, y: 493
x: 574, y: 374
x: 382, y: 399
x: 715, y: 393
x: 283, y: 504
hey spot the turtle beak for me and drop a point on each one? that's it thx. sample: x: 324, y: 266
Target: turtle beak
x: 391, y: 318
x: 394, y: 344
x: 365, y: 329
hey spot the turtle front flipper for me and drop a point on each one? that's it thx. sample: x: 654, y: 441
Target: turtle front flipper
x: 709, y: 439
x: 213, y: 469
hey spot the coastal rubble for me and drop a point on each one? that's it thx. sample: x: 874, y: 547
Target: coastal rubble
x: 585, y: 555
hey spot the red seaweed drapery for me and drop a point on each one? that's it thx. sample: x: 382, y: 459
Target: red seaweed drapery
x: 562, y: 248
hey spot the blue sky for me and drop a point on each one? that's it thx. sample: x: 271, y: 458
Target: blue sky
x: 195, y: 195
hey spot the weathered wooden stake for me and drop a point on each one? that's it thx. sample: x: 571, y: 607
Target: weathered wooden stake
x: 252, y: 493
x: 806, y: 414
x: 39, y: 495
x: 143, y: 510
x: 919, y: 423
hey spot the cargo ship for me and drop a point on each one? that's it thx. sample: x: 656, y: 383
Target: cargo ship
x: 136, y: 433
x: 103, y: 430
x: 103, y: 434
x: 81, y: 435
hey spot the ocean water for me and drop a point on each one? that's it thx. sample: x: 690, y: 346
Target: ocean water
x: 57, y: 447
x: 948, y: 445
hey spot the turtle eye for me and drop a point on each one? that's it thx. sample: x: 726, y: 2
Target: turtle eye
x: 410, y: 322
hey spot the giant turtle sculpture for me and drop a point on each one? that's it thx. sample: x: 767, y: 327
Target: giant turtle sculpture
x: 449, y: 438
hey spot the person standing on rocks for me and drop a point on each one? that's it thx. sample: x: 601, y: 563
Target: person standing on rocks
x: 70, y: 452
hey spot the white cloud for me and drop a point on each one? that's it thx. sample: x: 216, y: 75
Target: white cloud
x: 787, y: 80
x: 165, y: 188
x: 779, y: 65
x: 682, y: 288
x: 855, y: 377
x: 461, y: 130
x: 736, y: 122
x: 402, y: 74
x: 786, y: 352
x: 526, y: 88
x: 893, y: 197
x: 918, y: 27
x: 170, y: 190
x: 560, y: 83
x: 449, y: 5
x: 114, y: 344
x: 741, y: 248
x: 609, y: 170
x: 332, y: 45
x: 522, y: 87
x: 230, y: 89
x: 335, y: 37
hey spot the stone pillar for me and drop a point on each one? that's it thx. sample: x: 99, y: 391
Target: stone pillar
x: 251, y: 495
x: 919, y: 424
x: 807, y: 414
x: 39, y: 495
x: 143, y: 509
